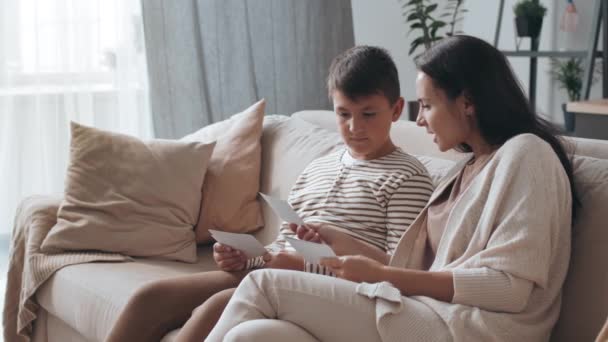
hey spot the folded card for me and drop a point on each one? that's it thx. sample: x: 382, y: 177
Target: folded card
x: 311, y: 251
x: 283, y: 209
x: 243, y: 242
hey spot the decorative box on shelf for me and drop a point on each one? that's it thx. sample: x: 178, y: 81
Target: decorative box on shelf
x: 591, y: 118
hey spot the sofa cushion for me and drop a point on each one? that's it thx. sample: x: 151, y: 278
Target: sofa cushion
x: 129, y: 196
x: 89, y: 297
x: 585, y: 295
x: 436, y: 167
x: 590, y: 147
x: 232, y: 181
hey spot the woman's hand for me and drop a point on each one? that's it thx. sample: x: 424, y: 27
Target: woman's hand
x: 228, y: 259
x: 284, y: 260
x: 355, y: 268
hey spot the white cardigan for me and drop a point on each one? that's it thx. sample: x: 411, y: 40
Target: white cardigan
x: 507, y: 243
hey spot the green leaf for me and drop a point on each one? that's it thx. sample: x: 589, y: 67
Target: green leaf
x: 413, y: 48
x: 433, y: 32
x: 413, y: 16
x: 437, y: 24
x: 418, y: 41
x: 431, y: 8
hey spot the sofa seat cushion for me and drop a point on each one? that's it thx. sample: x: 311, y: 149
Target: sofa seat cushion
x: 89, y: 297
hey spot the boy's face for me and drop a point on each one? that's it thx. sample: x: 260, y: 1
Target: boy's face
x: 365, y: 123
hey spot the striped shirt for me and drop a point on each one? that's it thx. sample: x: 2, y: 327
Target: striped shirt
x: 374, y: 201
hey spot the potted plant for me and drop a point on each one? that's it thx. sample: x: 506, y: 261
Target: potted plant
x: 569, y: 76
x: 420, y: 15
x: 529, y: 17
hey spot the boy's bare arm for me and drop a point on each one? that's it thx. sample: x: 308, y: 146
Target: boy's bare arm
x: 285, y: 260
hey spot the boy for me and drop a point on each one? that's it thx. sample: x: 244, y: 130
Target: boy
x: 358, y: 200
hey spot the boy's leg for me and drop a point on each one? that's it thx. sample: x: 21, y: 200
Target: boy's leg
x: 204, y: 317
x: 164, y: 305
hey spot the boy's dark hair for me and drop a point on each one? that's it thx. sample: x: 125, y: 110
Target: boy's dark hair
x: 362, y: 71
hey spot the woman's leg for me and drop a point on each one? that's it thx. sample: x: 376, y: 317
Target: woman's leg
x: 164, y: 305
x: 204, y: 317
x: 327, y: 308
x: 263, y: 330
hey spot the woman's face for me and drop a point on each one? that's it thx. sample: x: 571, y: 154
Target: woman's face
x: 449, y: 121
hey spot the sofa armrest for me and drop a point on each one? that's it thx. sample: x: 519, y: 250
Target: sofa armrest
x: 38, y: 209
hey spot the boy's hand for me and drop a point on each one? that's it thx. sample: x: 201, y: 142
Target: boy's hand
x: 339, y: 241
x: 228, y: 259
x: 307, y: 232
x: 284, y: 260
x: 319, y: 233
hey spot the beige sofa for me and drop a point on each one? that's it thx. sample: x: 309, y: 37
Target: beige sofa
x: 81, y: 302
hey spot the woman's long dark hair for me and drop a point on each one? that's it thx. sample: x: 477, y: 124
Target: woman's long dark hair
x: 465, y: 65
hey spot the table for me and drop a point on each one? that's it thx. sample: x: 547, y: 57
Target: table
x: 590, y: 118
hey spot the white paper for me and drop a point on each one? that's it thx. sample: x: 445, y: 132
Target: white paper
x: 243, y: 242
x: 311, y: 251
x: 283, y: 209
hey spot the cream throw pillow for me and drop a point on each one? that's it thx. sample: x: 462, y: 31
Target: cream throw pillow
x: 288, y: 146
x: 584, y: 295
x: 233, y: 178
x: 128, y: 196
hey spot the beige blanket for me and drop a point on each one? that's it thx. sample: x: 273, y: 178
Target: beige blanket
x: 29, y: 269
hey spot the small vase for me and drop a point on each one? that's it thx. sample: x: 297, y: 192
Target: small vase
x: 528, y: 26
x: 568, y: 120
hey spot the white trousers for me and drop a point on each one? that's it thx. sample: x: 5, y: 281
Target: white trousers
x: 281, y: 305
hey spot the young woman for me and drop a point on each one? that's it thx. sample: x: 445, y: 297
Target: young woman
x: 486, y: 258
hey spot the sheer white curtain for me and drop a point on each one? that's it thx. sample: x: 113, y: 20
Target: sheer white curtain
x: 63, y: 60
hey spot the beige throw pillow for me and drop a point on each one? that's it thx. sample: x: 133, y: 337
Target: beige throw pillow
x: 128, y: 196
x: 233, y: 178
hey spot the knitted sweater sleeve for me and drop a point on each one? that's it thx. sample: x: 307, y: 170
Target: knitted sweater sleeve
x: 528, y: 201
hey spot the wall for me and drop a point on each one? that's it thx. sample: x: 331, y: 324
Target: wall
x: 380, y: 23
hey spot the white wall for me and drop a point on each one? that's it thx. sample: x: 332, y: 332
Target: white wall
x: 381, y: 23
